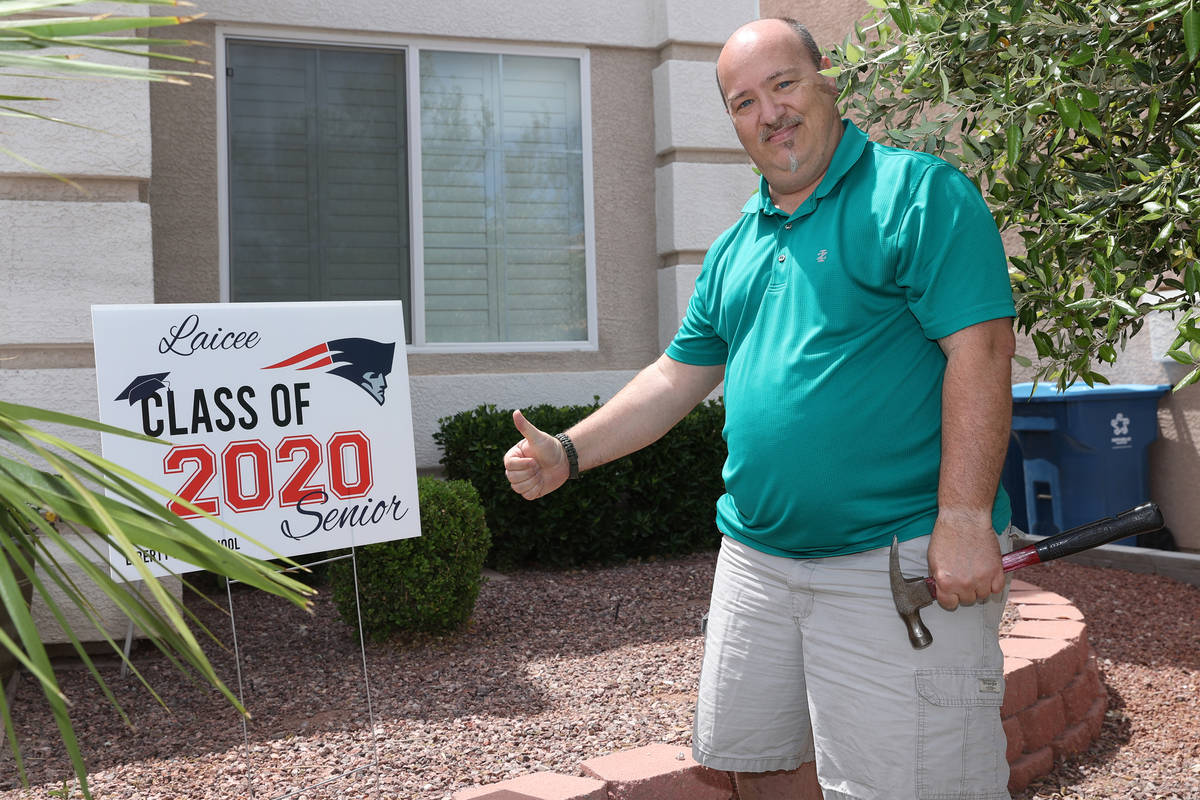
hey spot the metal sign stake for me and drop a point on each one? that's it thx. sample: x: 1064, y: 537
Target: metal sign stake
x: 237, y: 662
x: 352, y: 555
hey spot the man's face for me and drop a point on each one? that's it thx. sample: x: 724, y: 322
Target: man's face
x: 782, y: 110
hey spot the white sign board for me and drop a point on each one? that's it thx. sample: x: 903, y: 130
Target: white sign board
x: 288, y: 421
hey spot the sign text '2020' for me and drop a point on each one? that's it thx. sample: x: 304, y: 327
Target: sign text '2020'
x: 243, y: 473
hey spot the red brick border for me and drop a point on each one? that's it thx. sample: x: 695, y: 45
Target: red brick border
x: 1054, y: 705
x: 653, y: 772
x: 1054, y: 702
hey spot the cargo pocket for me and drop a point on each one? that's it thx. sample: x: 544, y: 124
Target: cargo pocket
x: 960, y: 741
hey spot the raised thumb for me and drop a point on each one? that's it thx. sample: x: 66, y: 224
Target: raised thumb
x: 527, y: 429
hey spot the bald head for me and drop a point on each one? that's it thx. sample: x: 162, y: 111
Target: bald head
x: 768, y: 26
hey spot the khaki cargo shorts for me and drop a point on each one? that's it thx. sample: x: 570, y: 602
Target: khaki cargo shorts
x: 807, y: 659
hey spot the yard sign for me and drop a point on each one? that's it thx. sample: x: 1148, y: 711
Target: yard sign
x: 289, y: 421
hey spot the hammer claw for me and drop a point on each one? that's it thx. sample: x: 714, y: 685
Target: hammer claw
x: 911, y: 595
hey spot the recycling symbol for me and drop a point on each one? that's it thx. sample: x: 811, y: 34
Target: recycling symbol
x: 1120, y: 424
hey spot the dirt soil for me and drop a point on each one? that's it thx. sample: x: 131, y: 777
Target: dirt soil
x: 555, y: 668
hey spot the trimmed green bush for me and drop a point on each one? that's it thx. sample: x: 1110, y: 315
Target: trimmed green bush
x: 658, y: 501
x: 428, y: 583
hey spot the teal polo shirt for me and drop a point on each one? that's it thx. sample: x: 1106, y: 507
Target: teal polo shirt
x: 826, y: 321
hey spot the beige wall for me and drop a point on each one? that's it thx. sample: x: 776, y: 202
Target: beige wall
x: 828, y: 20
x: 64, y: 247
x: 183, y: 186
x: 1175, y: 466
x: 183, y: 196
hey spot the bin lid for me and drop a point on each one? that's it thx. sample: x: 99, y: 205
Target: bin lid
x: 1049, y: 393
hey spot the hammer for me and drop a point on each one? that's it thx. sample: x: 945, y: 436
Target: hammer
x: 913, y: 594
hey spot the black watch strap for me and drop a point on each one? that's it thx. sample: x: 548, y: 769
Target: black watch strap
x: 572, y: 456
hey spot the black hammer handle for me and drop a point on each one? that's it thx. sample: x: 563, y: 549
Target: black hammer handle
x: 1142, y: 519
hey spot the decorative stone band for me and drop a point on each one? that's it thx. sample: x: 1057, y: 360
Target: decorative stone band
x: 1054, y: 706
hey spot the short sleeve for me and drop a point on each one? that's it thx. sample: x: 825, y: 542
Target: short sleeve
x: 951, y: 261
x: 697, y: 342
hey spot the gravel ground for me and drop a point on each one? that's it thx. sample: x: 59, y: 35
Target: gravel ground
x: 1145, y: 631
x: 555, y: 668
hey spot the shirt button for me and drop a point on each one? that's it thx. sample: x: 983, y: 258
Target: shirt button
x: 781, y: 258
x: 787, y: 227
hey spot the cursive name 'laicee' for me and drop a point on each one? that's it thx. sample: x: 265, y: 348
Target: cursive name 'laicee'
x: 188, y: 337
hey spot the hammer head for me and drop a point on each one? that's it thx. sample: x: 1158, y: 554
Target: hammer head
x: 911, y: 595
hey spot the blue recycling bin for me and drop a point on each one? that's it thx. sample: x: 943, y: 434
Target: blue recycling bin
x: 1082, y: 453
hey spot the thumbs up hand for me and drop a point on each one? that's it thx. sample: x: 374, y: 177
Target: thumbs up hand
x: 536, y: 465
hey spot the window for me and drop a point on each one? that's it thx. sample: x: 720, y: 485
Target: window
x: 317, y: 174
x: 486, y: 242
x: 501, y: 161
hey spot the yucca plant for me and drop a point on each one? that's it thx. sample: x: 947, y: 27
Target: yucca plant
x: 47, y: 481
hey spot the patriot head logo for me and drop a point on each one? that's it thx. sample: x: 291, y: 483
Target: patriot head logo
x: 364, y: 362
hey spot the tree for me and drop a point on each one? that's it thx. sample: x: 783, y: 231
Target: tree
x: 1080, y: 123
x: 52, y: 479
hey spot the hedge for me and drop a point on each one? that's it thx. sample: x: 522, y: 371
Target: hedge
x: 659, y: 501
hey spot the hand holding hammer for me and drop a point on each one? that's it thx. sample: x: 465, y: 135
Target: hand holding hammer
x: 913, y: 594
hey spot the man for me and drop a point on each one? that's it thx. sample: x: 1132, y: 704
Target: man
x: 859, y: 314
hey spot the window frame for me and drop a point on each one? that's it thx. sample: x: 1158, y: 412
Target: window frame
x: 411, y: 46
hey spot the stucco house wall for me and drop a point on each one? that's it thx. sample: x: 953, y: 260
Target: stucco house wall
x: 63, y: 248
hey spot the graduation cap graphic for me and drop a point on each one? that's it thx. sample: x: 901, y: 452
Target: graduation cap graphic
x: 364, y: 362
x: 143, y: 386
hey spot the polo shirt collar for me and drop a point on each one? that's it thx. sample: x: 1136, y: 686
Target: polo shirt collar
x: 849, y: 148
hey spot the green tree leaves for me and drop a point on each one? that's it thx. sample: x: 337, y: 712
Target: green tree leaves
x: 1191, y: 32
x: 1080, y: 123
x: 1068, y: 112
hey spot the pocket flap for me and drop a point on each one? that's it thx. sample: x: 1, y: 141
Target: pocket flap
x: 961, y: 687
